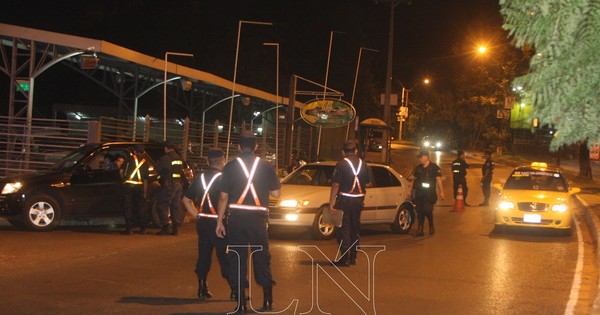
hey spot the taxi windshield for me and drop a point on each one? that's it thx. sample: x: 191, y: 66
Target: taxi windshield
x: 310, y: 175
x: 536, y: 180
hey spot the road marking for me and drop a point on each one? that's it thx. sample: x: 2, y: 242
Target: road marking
x: 574, y: 296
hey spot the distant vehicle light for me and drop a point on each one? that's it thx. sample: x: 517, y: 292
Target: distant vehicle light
x: 438, y: 145
x: 426, y: 143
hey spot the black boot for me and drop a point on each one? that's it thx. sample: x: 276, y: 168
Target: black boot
x: 203, y: 292
x: 241, y: 306
x: 174, y: 232
x: 127, y: 230
x: 267, y: 299
x: 431, y: 229
x: 344, y: 261
x: 420, y: 231
x: 164, y: 230
x: 353, y: 258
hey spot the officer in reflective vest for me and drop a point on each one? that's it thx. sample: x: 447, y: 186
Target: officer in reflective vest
x: 245, y: 187
x: 459, y: 174
x: 427, y: 181
x: 349, y: 186
x: 202, y: 192
x: 169, y: 168
x: 136, y: 188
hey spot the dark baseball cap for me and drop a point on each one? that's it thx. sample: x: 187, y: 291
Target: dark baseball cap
x: 423, y: 152
x: 215, y: 153
x: 247, y: 139
x: 349, y: 145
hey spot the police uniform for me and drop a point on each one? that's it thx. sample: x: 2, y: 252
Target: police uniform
x: 352, y: 177
x: 170, y: 169
x: 248, y: 181
x: 425, y: 189
x: 205, y: 195
x: 487, y: 171
x: 135, y: 206
x: 459, y: 174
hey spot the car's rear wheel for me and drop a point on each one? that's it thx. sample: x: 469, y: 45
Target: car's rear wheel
x: 320, y: 230
x: 403, y: 221
x: 41, y: 213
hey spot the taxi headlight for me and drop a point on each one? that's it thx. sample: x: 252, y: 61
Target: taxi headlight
x: 11, y: 188
x: 292, y: 203
x: 561, y: 207
x: 506, y: 205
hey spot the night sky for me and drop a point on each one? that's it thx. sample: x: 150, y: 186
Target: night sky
x: 430, y: 35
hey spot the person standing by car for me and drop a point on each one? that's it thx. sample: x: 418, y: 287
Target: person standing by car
x: 487, y: 171
x: 136, y: 188
x: 245, y: 187
x: 202, y: 192
x: 169, y: 168
x: 349, y: 182
x: 459, y: 174
x: 427, y: 181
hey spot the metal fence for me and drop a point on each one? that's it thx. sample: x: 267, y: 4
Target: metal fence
x: 36, y: 145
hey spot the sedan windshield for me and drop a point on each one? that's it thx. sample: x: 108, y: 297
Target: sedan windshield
x: 536, y: 180
x: 73, y: 157
x: 311, y: 175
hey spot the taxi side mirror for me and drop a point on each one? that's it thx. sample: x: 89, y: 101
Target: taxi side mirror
x: 574, y: 190
x: 498, y: 186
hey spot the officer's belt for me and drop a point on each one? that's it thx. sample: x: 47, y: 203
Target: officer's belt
x: 352, y: 195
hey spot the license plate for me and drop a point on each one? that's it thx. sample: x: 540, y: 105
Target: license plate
x: 532, y: 218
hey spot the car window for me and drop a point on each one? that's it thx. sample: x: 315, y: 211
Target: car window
x: 536, y: 180
x: 382, y: 177
x: 104, y: 159
x: 311, y: 175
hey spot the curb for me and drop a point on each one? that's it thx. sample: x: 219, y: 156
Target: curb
x: 593, y: 223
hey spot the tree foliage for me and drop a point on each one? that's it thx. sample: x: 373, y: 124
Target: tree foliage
x: 564, y: 76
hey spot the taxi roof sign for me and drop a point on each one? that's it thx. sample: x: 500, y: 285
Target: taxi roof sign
x: 539, y: 164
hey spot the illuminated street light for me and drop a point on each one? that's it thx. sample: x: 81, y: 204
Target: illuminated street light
x: 405, y: 93
x: 237, y: 50
x: 165, y: 90
x: 482, y: 50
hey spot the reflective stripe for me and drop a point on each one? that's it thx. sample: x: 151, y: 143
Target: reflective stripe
x: 356, y: 182
x: 249, y: 187
x: 136, y: 172
x: 206, y: 190
x: 177, y: 162
x: 205, y: 215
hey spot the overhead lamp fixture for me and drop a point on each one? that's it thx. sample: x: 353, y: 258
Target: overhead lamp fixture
x: 88, y: 61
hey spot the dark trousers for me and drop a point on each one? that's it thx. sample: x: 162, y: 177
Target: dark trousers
x: 207, y: 242
x: 461, y: 181
x: 169, y: 197
x: 424, y: 209
x: 134, y: 204
x: 349, y: 234
x: 248, y: 229
x: 485, y: 186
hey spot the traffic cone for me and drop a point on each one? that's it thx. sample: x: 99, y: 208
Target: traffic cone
x: 459, y: 203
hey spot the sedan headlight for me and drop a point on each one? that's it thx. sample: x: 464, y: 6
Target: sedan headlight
x: 438, y: 145
x: 506, y: 205
x: 11, y: 188
x: 292, y: 203
x: 561, y: 207
x: 426, y: 143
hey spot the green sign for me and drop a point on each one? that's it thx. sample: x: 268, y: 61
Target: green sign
x: 22, y: 85
x: 328, y: 113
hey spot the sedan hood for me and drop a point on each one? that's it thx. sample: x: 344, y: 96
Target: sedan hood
x: 314, y: 196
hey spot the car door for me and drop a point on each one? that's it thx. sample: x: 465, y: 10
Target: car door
x: 387, y: 192
x: 96, y: 188
x: 369, y: 210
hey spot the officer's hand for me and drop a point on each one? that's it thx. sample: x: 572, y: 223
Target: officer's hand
x: 442, y: 196
x: 220, y: 230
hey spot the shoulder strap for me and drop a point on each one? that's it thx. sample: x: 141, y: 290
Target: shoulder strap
x: 206, y: 196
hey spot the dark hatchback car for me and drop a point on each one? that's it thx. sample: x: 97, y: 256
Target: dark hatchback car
x: 78, y: 187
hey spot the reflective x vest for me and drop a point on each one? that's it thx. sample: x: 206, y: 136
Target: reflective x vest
x: 176, y: 168
x: 356, y: 182
x: 136, y: 176
x: 206, y: 197
x: 249, y: 187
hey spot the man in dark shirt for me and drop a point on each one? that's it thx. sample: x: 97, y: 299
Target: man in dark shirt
x: 459, y: 174
x: 349, y: 182
x: 487, y: 171
x: 427, y: 180
x: 203, y: 193
x: 245, y: 187
x: 169, y: 168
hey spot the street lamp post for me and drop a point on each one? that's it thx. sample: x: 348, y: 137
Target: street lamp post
x: 203, y: 118
x: 165, y: 90
x: 276, y: 105
x: 135, y: 104
x: 237, y: 50
x: 405, y: 93
x: 356, y: 79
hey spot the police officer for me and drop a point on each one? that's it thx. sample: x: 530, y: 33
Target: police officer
x: 487, y: 171
x: 202, y: 192
x: 459, y: 174
x: 427, y: 180
x: 136, y: 188
x: 169, y: 168
x: 245, y: 187
x: 349, y: 181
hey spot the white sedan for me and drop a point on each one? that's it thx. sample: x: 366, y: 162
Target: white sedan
x: 305, y: 196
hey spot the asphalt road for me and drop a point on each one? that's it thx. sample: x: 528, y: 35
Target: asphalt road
x: 464, y: 268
